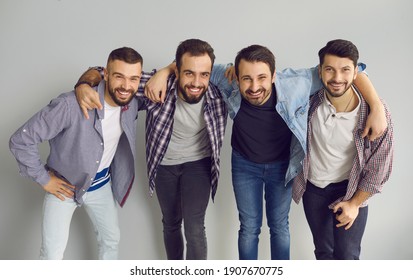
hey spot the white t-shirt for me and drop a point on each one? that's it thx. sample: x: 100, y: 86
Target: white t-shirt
x: 332, y: 145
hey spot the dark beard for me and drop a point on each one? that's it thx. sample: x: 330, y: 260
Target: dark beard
x: 190, y: 99
x: 115, y: 99
x: 335, y: 95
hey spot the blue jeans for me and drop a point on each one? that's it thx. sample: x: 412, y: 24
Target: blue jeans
x: 331, y: 242
x: 102, y: 209
x: 252, y: 182
x: 183, y: 192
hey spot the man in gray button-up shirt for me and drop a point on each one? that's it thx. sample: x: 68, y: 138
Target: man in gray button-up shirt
x: 91, y: 161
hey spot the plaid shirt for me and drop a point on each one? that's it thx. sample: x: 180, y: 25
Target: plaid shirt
x: 159, y: 126
x: 372, y: 165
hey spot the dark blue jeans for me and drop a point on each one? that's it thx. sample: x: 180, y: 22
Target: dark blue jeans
x: 332, y: 243
x: 183, y: 193
x: 252, y: 183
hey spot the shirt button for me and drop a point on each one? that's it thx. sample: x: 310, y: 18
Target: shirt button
x: 97, y: 161
x: 101, y: 144
x: 333, y: 115
x: 91, y: 179
x: 24, y: 130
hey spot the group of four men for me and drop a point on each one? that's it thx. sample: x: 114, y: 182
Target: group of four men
x: 342, y: 159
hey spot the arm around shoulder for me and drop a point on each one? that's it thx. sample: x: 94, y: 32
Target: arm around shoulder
x: 376, y: 121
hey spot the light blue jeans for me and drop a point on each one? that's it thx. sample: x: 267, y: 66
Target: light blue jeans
x: 100, y: 206
x: 252, y: 183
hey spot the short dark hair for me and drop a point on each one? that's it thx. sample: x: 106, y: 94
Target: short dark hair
x: 194, y: 47
x: 340, y: 48
x: 256, y: 53
x: 125, y: 54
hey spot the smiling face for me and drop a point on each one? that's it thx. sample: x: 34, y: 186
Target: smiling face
x: 337, y: 74
x: 255, y: 81
x: 193, y: 77
x: 122, y: 82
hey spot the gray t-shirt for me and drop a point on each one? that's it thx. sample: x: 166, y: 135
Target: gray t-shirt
x: 189, y: 141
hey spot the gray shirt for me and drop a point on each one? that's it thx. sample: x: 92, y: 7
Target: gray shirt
x: 189, y: 139
x: 76, y: 145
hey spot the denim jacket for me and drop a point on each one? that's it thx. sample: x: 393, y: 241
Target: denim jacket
x: 293, y: 89
x: 76, y: 145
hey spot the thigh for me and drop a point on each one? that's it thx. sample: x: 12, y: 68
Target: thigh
x: 57, y: 216
x: 319, y: 216
x: 347, y: 243
x: 277, y: 195
x: 247, y: 181
x: 168, y: 192
x: 195, y: 187
x: 101, y: 207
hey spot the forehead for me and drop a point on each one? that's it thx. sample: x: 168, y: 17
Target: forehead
x: 125, y: 68
x: 337, y: 62
x: 253, y: 68
x: 196, y: 63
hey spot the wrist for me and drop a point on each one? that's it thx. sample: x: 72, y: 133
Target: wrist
x: 83, y: 82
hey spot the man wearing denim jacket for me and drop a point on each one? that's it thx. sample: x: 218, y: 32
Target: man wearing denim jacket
x: 91, y: 162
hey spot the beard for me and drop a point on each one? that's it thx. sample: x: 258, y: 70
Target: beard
x: 188, y: 98
x: 120, y: 102
x: 336, y: 94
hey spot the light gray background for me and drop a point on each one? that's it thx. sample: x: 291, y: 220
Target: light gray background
x: 46, y: 44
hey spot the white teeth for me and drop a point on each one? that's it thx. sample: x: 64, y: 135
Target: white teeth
x: 123, y: 92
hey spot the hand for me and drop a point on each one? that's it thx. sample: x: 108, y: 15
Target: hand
x: 376, y: 123
x: 230, y: 74
x: 155, y: 88
x: 88, y: 99
x: 59, y: 187
x: 348, y: 214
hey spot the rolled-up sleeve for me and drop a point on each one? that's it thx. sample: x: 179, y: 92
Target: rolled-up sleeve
x: 43, y: 126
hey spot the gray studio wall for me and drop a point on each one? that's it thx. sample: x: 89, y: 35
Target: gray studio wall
x: 46, y: 44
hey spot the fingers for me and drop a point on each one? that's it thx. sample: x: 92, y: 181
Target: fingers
x: 59, y: 188
x: 66, y: 192
x: 59, y: 196
x: 162, y: 96
x: 85, y: 112
x: 374, y: 135
x: 349, y: 225
x: 366, y: 132
x: 230, y: 74
x: 344, y: 221
x: 152, y: 95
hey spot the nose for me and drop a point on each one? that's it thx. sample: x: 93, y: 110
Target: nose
x: 126, y: 84
x: 196, y: 81
x: 254, y: 86
x: 337, y: 76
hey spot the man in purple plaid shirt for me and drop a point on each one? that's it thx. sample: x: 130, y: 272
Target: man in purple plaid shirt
x: 184, y: 136
x: 341, y: 169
